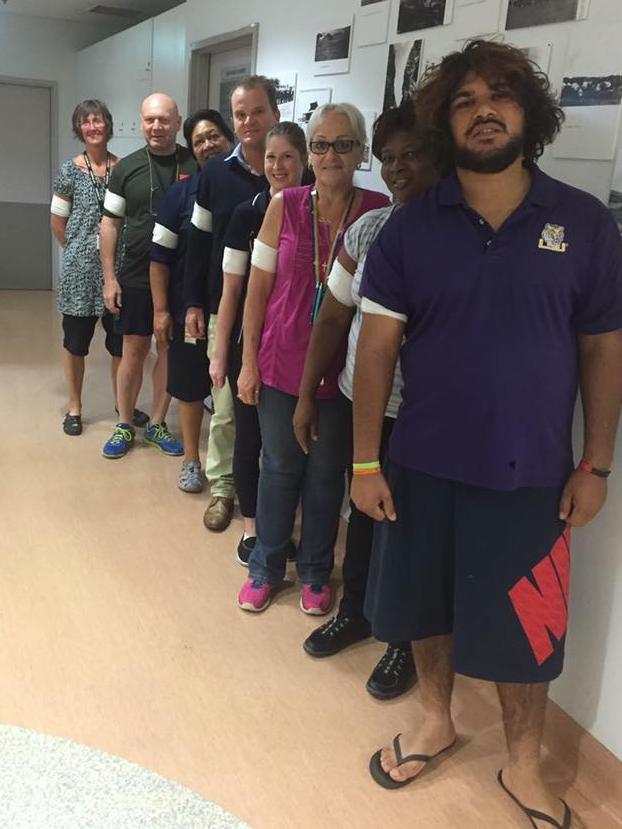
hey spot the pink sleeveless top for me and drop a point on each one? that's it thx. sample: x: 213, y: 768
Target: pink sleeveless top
x: 287, y: 326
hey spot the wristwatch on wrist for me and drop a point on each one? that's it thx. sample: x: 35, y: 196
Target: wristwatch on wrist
x: 586, y: 466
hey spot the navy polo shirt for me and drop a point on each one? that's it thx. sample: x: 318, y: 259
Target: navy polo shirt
x: 225, y: 182
x: 490, y: 360
x: 169, y: 239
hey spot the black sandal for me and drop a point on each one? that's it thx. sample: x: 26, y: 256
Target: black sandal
x: 72, y: 424
x: 384, y: 779
x: 534, y: 813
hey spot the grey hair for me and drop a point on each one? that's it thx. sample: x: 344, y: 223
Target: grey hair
x: 354, y: 116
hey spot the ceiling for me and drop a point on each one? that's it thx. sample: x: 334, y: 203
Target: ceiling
x: 78, y: 10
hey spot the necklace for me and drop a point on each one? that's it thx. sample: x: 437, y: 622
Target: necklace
x: 160, y: 185
x: 99, y: 193
x: 322, y: 269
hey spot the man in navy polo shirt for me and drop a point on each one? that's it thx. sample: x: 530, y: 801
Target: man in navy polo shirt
x: 503, y: 288
x: 226, y: 181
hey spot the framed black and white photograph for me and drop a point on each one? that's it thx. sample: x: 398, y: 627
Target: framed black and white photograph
x: 522, y: 13
x: 582, y: 91
x: 332, y: 51
x: 285, y: 84
x: 370, y: 2
x: 370, y: 116
x: 423, y: 14
x: 308, y: 100
x: 372, y: 24
x: 403, y: 67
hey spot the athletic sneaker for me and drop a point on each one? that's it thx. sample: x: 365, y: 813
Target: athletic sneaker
x: 120, y: 441
x: 338, y: 633
x: 394, y: 674
x: 158, y: 435
x: 191, y: 477
x: 255, y: 595
x: 139, y: 418
x: 316, y: 599
x: 245, y: 548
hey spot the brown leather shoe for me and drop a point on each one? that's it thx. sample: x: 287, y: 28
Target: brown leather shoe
x: 218, y: 514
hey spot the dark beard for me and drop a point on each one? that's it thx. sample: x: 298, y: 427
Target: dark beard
x: 491, y: 162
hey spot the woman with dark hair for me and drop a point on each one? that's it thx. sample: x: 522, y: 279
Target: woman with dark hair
x: 285, y: 161
x: 408, y: 169
x: 76, y: 210
x: 206, y: 135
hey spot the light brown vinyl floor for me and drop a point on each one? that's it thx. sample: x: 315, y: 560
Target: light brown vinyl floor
x: 119, y: 629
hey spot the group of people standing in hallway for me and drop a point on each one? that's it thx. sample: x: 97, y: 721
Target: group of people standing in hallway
x: 270, y: 278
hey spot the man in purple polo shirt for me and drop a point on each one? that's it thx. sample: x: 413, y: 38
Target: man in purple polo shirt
x: 503, y: 288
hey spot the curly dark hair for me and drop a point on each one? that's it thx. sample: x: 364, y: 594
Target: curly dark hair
x: 494, y: 62
x: 402, y: 118
x: 206, y: 115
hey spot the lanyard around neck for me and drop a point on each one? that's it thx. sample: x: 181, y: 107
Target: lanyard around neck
x: 99, y: 194
x: 160, y: 186
x: 321, y: 271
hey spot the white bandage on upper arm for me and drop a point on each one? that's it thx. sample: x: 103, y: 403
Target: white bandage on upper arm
x: 60, y: 206
x: 164, y: 237
x: 114, y: 203
x: 368, y: 306
x: 340, y: 284
x: 234, y: 261
x: 202, y: 218
x: 264, y: 256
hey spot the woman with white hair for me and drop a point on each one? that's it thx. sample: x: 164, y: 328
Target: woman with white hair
x: 298, y: 242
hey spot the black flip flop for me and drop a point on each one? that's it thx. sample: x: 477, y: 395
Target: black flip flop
x: 72, y: 424
x: 534, y: 813
x: 384, y: 779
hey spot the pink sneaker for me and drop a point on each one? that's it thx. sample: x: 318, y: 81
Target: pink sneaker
x: 316, y: 599
x: 255, y: 595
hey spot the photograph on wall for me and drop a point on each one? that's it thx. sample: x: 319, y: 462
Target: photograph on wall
x: 423, y: 14
x: 372, y: 24
x: 615, y: 191
x: 522, y: 13
x: 540, y: 55
x: 308, y: 100
x: 285, y: 84
x: 581, y: 91
x: 370, y: 116
x: 332, y: 51
x: 403, y: 65
x: 371, y: 2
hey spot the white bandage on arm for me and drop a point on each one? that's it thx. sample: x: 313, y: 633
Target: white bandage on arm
x: 234, y: 261
x: 60, y: 207
x: 115, y: 204
x: 164, y: 237
x: 340, y: 284
x: 264, y: 256
x: 368, y: 306
x: 201, y: 218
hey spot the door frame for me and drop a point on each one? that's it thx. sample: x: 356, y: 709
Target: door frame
x: 53, y: 122
x: 202, y: 50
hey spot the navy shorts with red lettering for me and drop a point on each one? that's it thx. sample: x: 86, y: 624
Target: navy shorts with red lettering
x: 492, y: 568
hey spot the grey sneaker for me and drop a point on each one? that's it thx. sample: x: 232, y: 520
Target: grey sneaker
x: 191, y: 477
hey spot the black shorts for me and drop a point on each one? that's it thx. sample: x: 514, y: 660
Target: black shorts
x: 78, y: 334
x: 136, y: 314
x: 490, y: 567
x: 188, y: 368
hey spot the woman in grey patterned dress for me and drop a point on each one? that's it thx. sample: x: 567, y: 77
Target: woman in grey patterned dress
x: 75, y: 214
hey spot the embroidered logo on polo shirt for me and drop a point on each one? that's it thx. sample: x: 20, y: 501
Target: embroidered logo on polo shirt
x: 552, y: 238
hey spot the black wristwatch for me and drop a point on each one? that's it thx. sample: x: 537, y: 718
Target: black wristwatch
x: 586, y: 466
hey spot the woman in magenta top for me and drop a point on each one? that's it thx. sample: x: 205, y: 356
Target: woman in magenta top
x: 299, y: 239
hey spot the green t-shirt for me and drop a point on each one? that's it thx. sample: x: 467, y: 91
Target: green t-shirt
x: 135, y: 192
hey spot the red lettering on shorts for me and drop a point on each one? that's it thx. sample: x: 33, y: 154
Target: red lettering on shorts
x: 542, y: 607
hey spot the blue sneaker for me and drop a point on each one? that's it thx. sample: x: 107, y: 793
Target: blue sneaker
x: 158, y: 435
x: 121, y: 440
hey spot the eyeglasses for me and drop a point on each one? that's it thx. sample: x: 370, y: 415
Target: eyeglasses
x: 341, y: 146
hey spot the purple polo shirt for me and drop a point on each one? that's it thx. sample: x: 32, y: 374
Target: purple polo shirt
x: 490, y: 353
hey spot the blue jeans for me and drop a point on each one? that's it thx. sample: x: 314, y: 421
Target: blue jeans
x: 288, y: 476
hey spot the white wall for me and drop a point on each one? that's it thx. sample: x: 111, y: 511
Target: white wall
x: 591, y: 687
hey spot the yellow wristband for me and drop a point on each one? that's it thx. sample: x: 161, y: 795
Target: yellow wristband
x: 357, y: 467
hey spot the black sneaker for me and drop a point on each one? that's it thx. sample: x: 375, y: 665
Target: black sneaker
x: 245, y: 548
x: 139, y: 418
x: 394, y: 674
x: 335, y: 635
